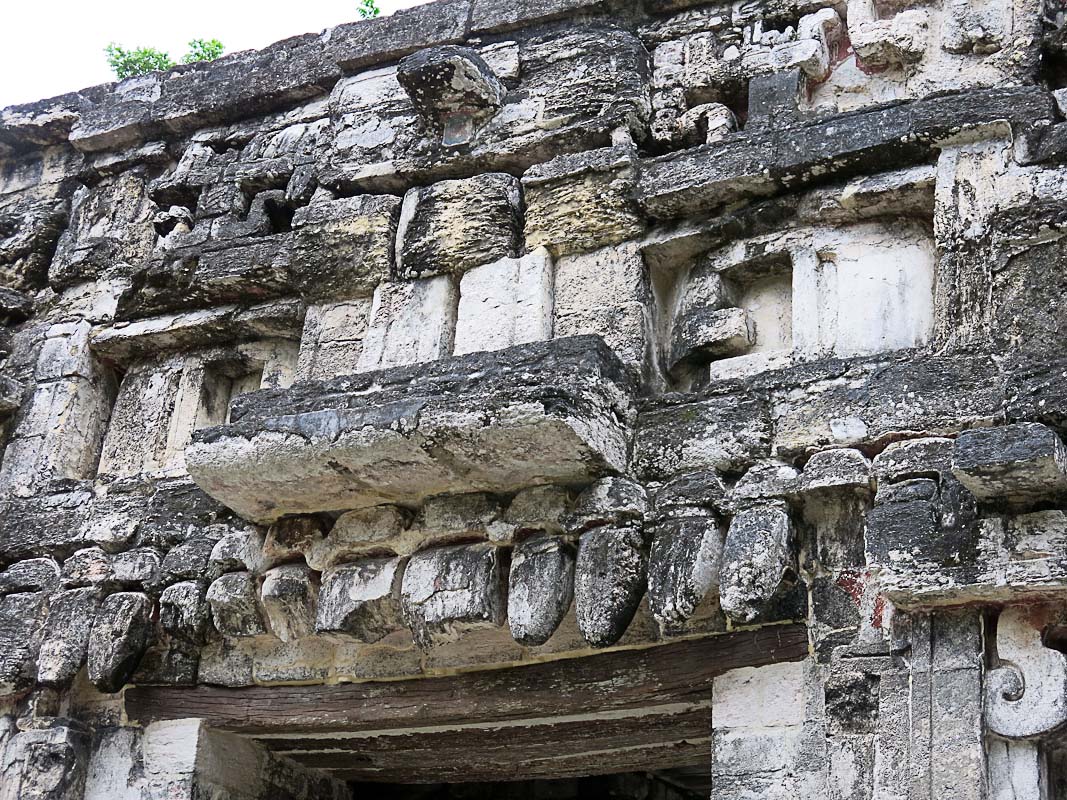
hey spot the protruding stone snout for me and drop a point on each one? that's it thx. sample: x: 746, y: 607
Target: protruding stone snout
x: 453, y: 90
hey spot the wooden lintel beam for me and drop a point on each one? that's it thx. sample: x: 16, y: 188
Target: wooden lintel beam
x: 680, y: 672
x: 515, y: 752
x: 651, y: 758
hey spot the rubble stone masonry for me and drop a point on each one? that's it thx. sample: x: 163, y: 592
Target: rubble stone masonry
x: 514, y: 389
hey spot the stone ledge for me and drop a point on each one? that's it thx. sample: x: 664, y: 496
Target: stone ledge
x: 250, y: 82
x: 759, y: 163
x: 556, y: 412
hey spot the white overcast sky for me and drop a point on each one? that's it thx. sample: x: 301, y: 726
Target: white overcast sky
x: 48, y: 47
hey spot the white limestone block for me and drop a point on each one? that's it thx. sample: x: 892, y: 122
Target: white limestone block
x: 332, y: 342
x: 506, y: 303
x: 410, y: 323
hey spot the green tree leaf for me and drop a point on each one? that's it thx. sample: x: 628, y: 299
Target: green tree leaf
x: 138, y: 61
x: 203, y: 50
x: 368, y: 9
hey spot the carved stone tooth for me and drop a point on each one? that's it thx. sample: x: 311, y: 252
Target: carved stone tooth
x: 184, y: 612
x: 683, y: 568
x: 21, y: 617
x: 609, y: 582
x: 361, y: 600
x: 755, y: 558
x: 610, y: 501
x: 452, y: 589
x: 234, y: 602
x: 119, y: 637
x: 289, y: 594
x: 540, y: 588
x: 66, y: 635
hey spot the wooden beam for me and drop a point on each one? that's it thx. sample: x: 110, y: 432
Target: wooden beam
x: 664, y: 739
x: 652, y: 758
x: 680, y: 672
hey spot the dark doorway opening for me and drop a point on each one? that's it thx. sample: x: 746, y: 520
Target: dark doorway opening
x: 675, y: 784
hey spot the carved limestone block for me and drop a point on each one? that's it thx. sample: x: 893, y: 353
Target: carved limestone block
x: 683, y: 568
x: 234, y: 601
x: 540, y: 589
x: 21, y: 617
x: 31, y: 575
x: 410, y: 322
x: 506, y: 303
x: 453, y: 90
x: 613, y: 501
x: 120, y: 636
x: 754, y: 560
x: 361, y: 600
x: 453, y: 226
x: 610, y: 580
x: 839, y: 470
x: 66, y: 635
x: 452, y: 589
x: 1026, y: 694
x: 184, y: 613
x: 1016, y: 464
x: 47, y: 763
x: 343, y: 248
x: 898, y: 40
x: 578, y: 203
x: 289, y: 594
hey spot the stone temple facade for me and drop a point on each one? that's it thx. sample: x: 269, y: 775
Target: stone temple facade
x: 653, y: 399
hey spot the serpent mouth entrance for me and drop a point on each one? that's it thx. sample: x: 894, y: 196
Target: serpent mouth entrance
x: 683, y: 783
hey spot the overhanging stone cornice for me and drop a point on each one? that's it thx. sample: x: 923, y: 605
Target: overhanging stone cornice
x: 555, y: 412
x: 763, y: 162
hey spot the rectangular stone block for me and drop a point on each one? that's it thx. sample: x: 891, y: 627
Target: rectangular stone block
x: 505, y: 303
x: 501, y: 15
x: 606, y: 292
x: 344, y: 248
x: 21, y: 618
x: 453, y: 226
x: 332, y: 342
x: 760, y: 162
x: 1014, y: 464
x: 577, y: 203
x: 871, y: 400
x: 451, y: 590
x: 727, y: 432
x: 59, y: 435
x: 126, y: 342
x: 361, y: 600
x: 137, y: 435
x: 410, y: 323
x: 230, y: 271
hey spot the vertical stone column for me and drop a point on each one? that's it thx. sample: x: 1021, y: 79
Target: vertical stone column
x: 59, y: 432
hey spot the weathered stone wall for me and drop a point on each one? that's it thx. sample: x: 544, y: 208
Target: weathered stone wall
x: 493, y: 334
